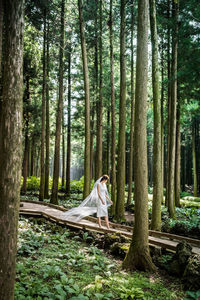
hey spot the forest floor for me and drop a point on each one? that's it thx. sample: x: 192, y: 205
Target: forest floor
x: 55, y: 263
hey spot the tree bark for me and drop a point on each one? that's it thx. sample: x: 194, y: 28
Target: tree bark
x: 63, y: 149
x: 157, y: 144
x: 178, y: 159
x: 27, y: 143
x: 25, y: 161
x: 42, y: 167
x: 172, y: 132
x: 54, y: 195
x: 138, y: 256
x: 194, y: 160
x: 87, y: 105
x: 113, y: 138
x: 108, y: 143
x: 100, y: 102
x: 1, y: 39
x: 162, y: 117
x: 10, y: 144
x: 1, y: 32
x: 122, y: 119
x: 68, y: 165
x: 46, y: 185
x: 33, y: 156
x: 169, y: 94
x: 130, y: 174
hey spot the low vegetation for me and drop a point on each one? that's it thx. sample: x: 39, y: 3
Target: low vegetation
x: 52, y: 263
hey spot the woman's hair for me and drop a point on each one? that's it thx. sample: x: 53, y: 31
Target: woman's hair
x: 104, y: 177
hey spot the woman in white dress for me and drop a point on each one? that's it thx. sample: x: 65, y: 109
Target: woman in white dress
x: 96, y: 202
x: 102, y: 207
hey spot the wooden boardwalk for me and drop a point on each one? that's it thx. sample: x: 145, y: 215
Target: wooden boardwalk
x: 56, y: 213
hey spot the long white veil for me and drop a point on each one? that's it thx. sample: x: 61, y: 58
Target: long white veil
x: 86, y: 208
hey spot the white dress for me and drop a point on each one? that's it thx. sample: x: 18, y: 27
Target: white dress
x: 102, y: 209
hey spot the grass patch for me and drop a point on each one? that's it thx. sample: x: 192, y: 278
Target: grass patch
x: 51, y: 264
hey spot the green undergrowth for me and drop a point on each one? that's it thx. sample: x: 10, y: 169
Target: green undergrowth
x: 53, y: 264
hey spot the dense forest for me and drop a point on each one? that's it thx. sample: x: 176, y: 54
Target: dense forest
x: 90, y: 88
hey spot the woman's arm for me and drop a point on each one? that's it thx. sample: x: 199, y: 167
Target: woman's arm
x: 109, y: 199
x: 99, y: 194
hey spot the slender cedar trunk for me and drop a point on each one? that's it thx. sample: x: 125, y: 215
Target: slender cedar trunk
x: 178, y: 159
x: 1, y: 39
x: 32, y: 156
x: 54, y: 195
x: 138, y: 256
x: 87, y: 105
x: 46, y: 186
x: 96, y: 62
x: 26, y: 147
x: 68, y: 165
x: 183, y: 162
x: 198, y: 155
x: 162, y: 114
x: 100, y: 102
x: 37, y: 163
x: 130, y: 174
x: 63, y: 149
x: 122, y: 119
x: 92, y: 133
x: 194, y: 159
x: 113, y: 138
x: 169, y: 94
x: 25, y: 161
x: 1, y: 32
x: 157, y: 144
x: 172, y: 133
x: 108, y: 143
x: 10, y: 144
x: 42, y: 167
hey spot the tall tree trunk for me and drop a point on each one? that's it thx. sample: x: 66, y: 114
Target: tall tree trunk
x: 68, y: 165
x: 108, y: 143
x: 10, y: 144
x: 96, y: 64
x: 25, y: 161
x: 162, y: 115
x: 1, y: 39
x: 1, y: 32
x: 172, y: 132
x: 157, y: 144
x: 54, y: 195
x: 122, y: 119
x: 169, y: 94
x: 87, y: 105
x: 46, y: 186
x: 26, y: 146
x: 130, y: 174
x: 178, y: 159
x: 63, y: 149
x: 100, y: 102
x: 32, y: 156
x: 113, y: 138
x: 194, y: 159
x: 42, y: 167
x: 138, y: 256
x: 183, y: 162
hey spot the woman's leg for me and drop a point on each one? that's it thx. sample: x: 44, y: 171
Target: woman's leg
x: 107, y: 222
x: 99, y: 221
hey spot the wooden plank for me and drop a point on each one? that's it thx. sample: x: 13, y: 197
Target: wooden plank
x: 175, y: 237
x: 164, y: 240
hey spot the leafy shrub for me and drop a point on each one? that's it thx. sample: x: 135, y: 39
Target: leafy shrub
x: 127, y: 293
x: 76, y: 187
x: 33, y: 183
